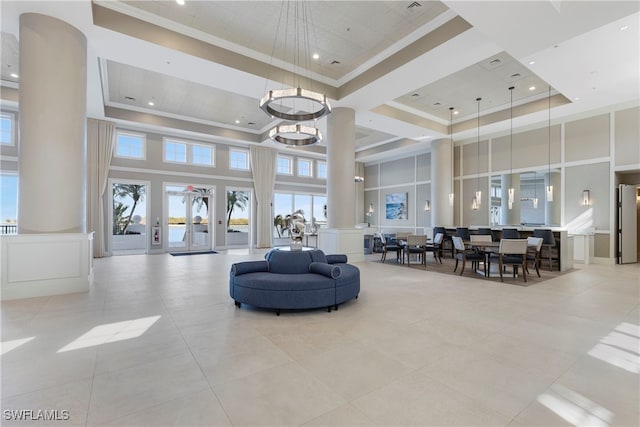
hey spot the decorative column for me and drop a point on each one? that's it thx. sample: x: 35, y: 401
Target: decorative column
x: 51, y: 254
x: 341, y: 158
x: 441, y: 178
x: 53, y: 100
x: 341, y: 236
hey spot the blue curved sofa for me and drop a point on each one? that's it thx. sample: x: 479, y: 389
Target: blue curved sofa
x: 294, y: 280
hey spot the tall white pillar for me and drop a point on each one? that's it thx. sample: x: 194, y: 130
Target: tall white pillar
x: 341, y: 236
x: 53, y: 99
x: 341, y: 157
x: 51, y: 254
x: 441, y: 183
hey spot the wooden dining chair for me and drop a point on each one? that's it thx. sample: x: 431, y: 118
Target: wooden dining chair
x: 436, y: 247
x: 514, y: 252
x: 534, y: 245
x: 463, y: 254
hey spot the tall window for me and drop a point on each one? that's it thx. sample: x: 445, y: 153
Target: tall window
x: 176, y: 151
x: 304, y: 168
x: 130, y: 145
x: 284, y: 165
x: 238, y: 159
x: 322, y: 169
x: 284, y: 204
x: 6, y: 129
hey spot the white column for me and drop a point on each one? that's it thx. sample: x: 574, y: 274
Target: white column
x: 53, y: 99
x: 51, y: 254
x: 341, y: 157
x: 341, y: 236
x: 441, y: 183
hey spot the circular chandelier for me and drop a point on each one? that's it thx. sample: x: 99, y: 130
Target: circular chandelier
x: 278, y: 98
x: 296, y: 105
x: 296, y: 134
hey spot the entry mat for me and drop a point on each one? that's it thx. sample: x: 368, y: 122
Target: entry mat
x: 192, y: 253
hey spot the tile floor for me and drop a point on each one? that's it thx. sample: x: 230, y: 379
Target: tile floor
x: 158, y: 341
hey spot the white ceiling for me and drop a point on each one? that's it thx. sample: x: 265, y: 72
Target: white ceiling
x: 209, y: 62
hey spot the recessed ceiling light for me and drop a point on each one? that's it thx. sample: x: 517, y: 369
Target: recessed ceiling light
x: 180, y: 2
x: 151, y: 103
x: 532, y: 62
x: 14, y: 75
x: 576, y: 99
x: 532, y: 88
x: 455, y: 112
x: 237, y: 121
x: 315, y: 56
x: 624, y: 28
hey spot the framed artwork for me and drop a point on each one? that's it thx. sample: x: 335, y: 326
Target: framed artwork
x: 396, y: 206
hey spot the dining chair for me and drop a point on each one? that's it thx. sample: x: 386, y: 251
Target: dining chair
x: 390, y: 244
x: 482, y: 238
x: 513, y: 252
x: 446, y: 242
x: 436, y: 247
x: 463, y: 233
x: 486, y: 232
x: 549, y: 242
x: 534, y: 245
x: 463, y: 254
x: 416, y: 244
x: 510, y: 233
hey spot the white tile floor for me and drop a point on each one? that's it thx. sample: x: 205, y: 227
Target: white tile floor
x: 158, y: 341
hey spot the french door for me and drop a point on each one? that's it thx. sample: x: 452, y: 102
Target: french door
x: 188, y: 218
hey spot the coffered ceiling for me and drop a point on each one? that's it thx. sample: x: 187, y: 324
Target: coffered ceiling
x: 400, y: 64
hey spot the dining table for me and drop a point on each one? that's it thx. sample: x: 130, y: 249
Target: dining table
x: 487, y: 249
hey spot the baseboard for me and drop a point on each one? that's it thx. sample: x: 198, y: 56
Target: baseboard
x: 604, y: 261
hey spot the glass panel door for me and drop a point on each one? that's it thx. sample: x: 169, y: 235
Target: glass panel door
x: 188, y: 219
x: 176, y: 222
x: 129, y: 219
x: 200, y: 237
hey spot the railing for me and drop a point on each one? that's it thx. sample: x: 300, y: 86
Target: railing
x: 8, y: 229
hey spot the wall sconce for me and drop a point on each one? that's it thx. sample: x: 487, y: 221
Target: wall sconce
x: 586, y: 199
x: 427, y: 206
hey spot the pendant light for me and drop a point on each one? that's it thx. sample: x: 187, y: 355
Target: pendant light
x: 451, y: 193
x: 511, y: 190
x: 549, y: 186
x: 535, y: 190
x: 477, y: 199
x: 295, y: 104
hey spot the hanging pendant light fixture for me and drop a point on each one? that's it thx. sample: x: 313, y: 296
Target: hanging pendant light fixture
x: 451, y: 193
x: 549, y: 186
x: 511, y: 189
x: 477, y: 199
x: 296, y: 104
x: 535, y: 190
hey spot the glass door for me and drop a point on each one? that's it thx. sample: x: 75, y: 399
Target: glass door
x: 188, y: 219
x: 129, y: 218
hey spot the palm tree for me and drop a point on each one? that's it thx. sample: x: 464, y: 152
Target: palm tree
x: 135, y: 191
x: 236, y: 199
x: 119, y: 210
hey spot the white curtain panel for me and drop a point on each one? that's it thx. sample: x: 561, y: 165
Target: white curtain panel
x: 263, y: 167
x: 100, y: 144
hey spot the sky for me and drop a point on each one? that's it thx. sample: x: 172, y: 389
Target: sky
x: 8, y: 197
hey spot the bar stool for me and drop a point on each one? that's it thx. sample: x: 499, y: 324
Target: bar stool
x: 510, y: 233
x: 548, y: 241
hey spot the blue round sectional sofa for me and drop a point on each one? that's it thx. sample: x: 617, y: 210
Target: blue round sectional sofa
x: 294, y: 280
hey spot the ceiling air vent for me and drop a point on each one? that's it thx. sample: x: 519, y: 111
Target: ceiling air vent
x: 335, y: 62
x: 415, y: 94
x: 128, y: 98
x: 414, y: 4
